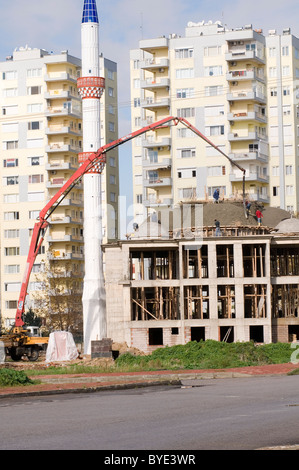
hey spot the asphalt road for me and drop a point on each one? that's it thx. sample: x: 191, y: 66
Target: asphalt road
x: 220, y: 414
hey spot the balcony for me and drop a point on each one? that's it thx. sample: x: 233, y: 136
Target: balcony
x: 248, y: 177
x: 65, y: 238
x: 243, y: 54
x: 61, y: 166
x: 165, y: 142
x: 241, y: 75
x: 150, y: 45
x: 249, y: 156
x: 158, y: 182
x: 59, y: 182
x: 63, y: 255
x: 60, y: 77
x: 246, y: 95
x: 151, y: 104
x: 154, y: 202
x: 247, y: 116
x: 235, y: 137
x: 54, y: 148
x: 57, y: 220
x: 164, y: 164
x: 71, y: 111
x: 152, y: 64
x: 152, y: 84
x: 56, y: 130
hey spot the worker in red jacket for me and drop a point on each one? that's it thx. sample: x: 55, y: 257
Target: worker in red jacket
x: 259, y: 216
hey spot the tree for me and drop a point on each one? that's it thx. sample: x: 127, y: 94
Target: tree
x: 31, y: 319
x: 59, y: 298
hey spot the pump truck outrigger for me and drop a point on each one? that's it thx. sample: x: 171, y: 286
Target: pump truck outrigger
x: 19, y: 342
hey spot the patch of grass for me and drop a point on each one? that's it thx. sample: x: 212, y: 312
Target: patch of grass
x: 208, y: 354
x: 294, y: 372
x: 11, y: 378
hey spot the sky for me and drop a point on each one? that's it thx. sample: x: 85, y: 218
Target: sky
x: 55, y: 25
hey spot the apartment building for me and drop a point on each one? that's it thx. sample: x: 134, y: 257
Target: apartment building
x: 41, y: 136
x: 239, y: 88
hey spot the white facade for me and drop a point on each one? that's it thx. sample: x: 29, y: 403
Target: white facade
x: 238, y: 87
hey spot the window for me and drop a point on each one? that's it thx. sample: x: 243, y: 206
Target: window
x: 285, y: 70
x: 136, y: 83
x: 110, y: 74
x: 11, y: 215
x: 183, y: 53
x: 35, y: 125
x: 35, y: 143
x: 184, y: 73
x: 286, y: 91
x: 214, y: 130
x: 285, y: 50
x: 186, y: 112
x: 35, y: 108
x: 36, y: 196
x: 275, y: 170
x: 36, y: 179
x: 10, y: 145
x: 10, y: 110
x: 187, y: 193
x: 289, y: 190
x: 33, y: 215
x: 214, y: 70
x: 10, y: 180
x: 273, y: 91
x: 185, y: 93
x: 11, y: 198
x: 186, y: 153
x: 34, y: 90
x: 272, y: 72
x: 139, y: 198
x: 11, y: 233
x: 289, y: 169
x: 10, y: 92
x: 11, y: 75
x: 112, y: 161
x: 34, y: 73
x: 214, y: 90
x: 10, y: 163
x: 275, y: 190
x: 10, y: 127
x: 112, y: 179
x: 214, y: 111
x: 212, y: 51
x: 272, y: 51
x: 111, y: 126
x: 216, y: 170
x: 112, y: 197
x: 136, y: 102
x: 12, y: 269
x: 11, y: 251
x: 34, y: 161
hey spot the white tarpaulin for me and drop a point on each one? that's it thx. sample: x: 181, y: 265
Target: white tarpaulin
x: 61, y: 347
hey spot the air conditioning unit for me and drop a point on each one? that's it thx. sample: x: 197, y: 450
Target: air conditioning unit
x: 161, y: 70
x: 234, y: 83
x: 53, y: 172
x: 233, y: 64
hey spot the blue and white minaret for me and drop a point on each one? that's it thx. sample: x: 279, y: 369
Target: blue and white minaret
x: 91, y: 87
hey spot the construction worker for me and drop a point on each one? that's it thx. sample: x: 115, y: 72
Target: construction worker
x: 218, y: 231
x: 247, y: 205
x: 259, y: 217
x: 216, y: 196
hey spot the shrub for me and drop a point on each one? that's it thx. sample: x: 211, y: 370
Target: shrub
x: 10, y: 378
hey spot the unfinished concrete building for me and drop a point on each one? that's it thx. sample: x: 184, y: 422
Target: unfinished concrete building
x: 240, y: 286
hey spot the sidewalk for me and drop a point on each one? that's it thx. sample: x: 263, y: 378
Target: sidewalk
x: 57, y: 384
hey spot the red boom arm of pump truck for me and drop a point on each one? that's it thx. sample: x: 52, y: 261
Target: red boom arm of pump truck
x: 97, y: 159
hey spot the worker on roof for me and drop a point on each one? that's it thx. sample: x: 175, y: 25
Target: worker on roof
x: 216, y: 196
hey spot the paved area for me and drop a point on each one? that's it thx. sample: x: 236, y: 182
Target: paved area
x: 54, y: 384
